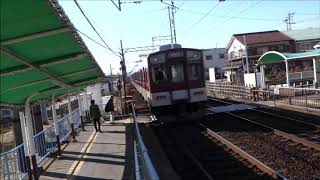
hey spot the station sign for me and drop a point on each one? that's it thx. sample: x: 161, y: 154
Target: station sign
x: 176, y: 54
x: 157, y: 59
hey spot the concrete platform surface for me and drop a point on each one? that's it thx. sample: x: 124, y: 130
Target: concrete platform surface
x: 106, y: 155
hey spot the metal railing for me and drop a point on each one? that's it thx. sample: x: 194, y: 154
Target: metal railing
x: 237, y: 92
x: 144, y: 167
x: 45, y: 142
x: 13, y: 164
x: 306, y: 97
x: 76, y: 118
x: 64, y: 128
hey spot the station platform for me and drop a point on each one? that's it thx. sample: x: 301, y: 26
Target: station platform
x: 284, y: 106
x: 106, y: 155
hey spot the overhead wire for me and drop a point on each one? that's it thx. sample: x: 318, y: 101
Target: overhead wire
x: 234, y: 16
x: 242, y: 18
x: 90, y: 38
x: 204, y: 16
x: 83, y: 13
x: 243, y: 11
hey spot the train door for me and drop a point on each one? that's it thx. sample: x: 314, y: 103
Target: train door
x: 178, y: 76
x: 196, y: 80
x: 159, y: 86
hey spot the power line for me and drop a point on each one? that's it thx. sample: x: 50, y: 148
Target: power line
x: 92, y: 39
x: 243, y: 11
x: 242, y: 18
x: 94, y: 28
x: 204, y: 16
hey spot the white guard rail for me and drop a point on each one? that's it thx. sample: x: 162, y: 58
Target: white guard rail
x: 144, y: 166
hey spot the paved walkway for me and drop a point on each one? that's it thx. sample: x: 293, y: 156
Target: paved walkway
x: 106, y: 155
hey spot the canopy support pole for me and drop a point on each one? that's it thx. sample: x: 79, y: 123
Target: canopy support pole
x: 86, y: 104
x: 25, y: 143
x: 71, y: 119
x: 81, y: 109
x: 56, y: 126
x: 287, y: 73
x: 30, y: 139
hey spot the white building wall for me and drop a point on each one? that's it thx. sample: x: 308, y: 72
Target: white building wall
x: 236, y: 46
x: 217, y: 60
x: 96, y: 94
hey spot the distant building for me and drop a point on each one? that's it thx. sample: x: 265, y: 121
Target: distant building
x: 305, y: 39
x: 214, y: 58
x: 256, y: 43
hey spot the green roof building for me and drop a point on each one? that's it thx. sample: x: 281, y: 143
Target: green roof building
x: 290, y: 69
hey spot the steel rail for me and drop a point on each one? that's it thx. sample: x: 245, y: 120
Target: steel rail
x: 263, y: 167
x: 279, y: 133
x: 276, y: 115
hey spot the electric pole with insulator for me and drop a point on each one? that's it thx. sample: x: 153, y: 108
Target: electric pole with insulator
x: 289, y: 21
x: 124, y: 73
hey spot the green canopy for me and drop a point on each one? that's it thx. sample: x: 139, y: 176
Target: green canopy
x: 277, y: 57
x: 41, y: 53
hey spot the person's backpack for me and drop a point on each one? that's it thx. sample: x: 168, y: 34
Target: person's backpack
x: 109, y: 106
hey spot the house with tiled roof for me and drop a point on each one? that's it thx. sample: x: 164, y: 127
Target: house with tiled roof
x: 305, y: 39
x: 244, y: 50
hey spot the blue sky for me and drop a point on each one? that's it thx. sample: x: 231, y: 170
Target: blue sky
x: 199, y: 24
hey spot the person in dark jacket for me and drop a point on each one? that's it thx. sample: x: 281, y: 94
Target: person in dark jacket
x: 110, y: 108
x: 95, y: 115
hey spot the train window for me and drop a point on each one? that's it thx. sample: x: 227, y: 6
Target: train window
x: 177, y: 73
x: 159, y: 73
x: 194, y: 71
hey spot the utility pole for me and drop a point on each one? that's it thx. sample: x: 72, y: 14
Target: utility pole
x: 171, y: 12
x: 245, y: 47
x: 170, y: 26
x: 110, y: 70
x: 124, y: 72
x: 173, y: 22
x: 289, y: 21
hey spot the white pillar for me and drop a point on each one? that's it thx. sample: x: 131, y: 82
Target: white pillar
x: 315, y: 71
x: 262, y: 76
x: 29, y: 127
x: 23, y: 131
x: 85, y: 101
x: 54, y: 116
x: 80, y: 104
x: 69, y: 108
x: 287, y: 73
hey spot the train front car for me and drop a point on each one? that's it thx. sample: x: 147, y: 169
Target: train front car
x: 177, y: 79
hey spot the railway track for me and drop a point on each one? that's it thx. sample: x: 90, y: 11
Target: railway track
x: 295, y: 157
x: 297, y: 130
x: 197, y: 154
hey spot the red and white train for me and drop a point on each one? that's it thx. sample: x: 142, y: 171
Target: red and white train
x: 172, y: 76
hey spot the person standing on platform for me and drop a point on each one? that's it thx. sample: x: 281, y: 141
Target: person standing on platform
x: 110, y: 108
x: 95, y: 115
